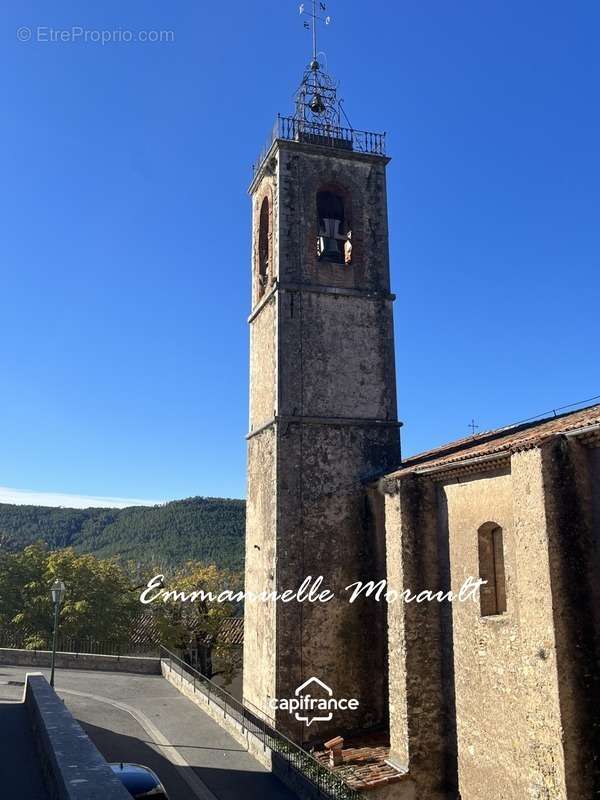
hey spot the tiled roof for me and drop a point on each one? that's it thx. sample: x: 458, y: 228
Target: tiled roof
x: 509, y: 439
x: 145, y: 630
x: 232, y: 631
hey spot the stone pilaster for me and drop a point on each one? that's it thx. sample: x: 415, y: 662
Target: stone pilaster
x: 418, y: 727
x: 574, y: 573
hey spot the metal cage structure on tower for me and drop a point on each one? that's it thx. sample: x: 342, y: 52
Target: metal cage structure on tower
x: 319, y: 113
x: 316, y: 98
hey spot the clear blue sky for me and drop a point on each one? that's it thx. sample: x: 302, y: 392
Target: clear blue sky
x: 125, y: 225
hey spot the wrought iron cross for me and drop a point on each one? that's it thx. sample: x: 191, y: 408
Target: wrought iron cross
x: 315, y: 16
x: 473, y: 427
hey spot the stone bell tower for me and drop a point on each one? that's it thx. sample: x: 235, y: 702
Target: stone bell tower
x: 323, y: 414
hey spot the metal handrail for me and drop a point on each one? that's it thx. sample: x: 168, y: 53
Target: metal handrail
x: 87, y: 645
x: 330, y: 785
x: 324, y: 135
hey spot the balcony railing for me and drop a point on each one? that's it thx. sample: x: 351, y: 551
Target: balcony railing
x: 81, y: 646
x: 323, y: 135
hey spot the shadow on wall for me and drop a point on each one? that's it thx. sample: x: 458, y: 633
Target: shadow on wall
x: 447, y: 635
x: 224, y: 782
x: 20, y: 770
x: 234, y: 688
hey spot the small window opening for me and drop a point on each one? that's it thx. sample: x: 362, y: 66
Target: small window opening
x: 264, y: 267
x: 491, y: 570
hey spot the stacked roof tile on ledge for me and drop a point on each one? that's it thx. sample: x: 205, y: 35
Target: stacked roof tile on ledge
x: 363, y: 765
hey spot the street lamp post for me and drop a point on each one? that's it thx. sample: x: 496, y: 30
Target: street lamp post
x: 58, y: 592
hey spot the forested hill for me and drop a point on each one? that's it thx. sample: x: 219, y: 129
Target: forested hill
x: 201, y: 528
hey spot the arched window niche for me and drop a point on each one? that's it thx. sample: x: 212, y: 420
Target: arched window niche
x: 334, y: 237
x: 264, y: 267
x: 491, y: 569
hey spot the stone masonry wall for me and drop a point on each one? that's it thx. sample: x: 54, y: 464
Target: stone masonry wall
x: 515, y: 686
x: 574, y: 567
x: 88, y: 661
x: 486, y: 649
x: 263, y: 366
x: 417, y: 704
x: 525, y: 683
x: 506, y: 670
x: 259, y: 674
x: 302, y: 172
x: 593, y: 464
x: 326, y: 526
x: 336, y: 357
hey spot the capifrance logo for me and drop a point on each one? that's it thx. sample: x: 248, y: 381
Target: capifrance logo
x: 309, y: 709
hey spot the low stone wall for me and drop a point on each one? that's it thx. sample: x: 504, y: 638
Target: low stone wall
x: 91, y: 661
x: 406, y: 790
x: 72, y: 766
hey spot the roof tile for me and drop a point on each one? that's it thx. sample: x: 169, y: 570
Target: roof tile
x: 509, y: 439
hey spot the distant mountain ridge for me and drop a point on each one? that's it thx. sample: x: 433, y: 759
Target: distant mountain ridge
x: 208, y: 529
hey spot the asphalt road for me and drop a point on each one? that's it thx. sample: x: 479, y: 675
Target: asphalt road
x: 143, y: 719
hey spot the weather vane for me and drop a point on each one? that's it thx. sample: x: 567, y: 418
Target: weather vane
x: 316, y: 17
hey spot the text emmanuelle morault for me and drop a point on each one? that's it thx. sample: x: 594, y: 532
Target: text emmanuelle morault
x: 311, y: 590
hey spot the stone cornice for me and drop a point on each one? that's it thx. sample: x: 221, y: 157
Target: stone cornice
x: 314, y: 288
x: 588, y: 436
x: 314, y: 149
x: 285, y: 419
x: 493, y: 462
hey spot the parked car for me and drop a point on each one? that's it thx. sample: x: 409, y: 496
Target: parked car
x: 140, y: 782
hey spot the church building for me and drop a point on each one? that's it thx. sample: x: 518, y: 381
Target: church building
x: 498, y: 698
x: 493, y: 698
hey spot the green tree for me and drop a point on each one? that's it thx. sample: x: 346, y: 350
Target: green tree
x: 7, y: 543
x: 196, y: 626
x: 99, y: 601
x: 207, y: 529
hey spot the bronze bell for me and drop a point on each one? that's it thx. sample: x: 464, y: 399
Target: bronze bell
x: 329, y: 236
x: 317, y: 106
